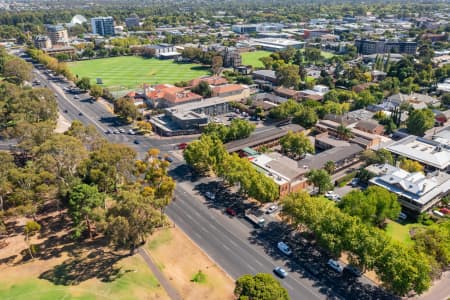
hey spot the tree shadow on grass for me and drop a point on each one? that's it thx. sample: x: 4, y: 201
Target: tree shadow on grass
x: 98, y: 264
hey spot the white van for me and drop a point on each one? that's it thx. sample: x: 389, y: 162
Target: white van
x: 438, y: 213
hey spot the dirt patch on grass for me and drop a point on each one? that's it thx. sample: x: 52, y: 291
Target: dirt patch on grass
x: 180, y: 260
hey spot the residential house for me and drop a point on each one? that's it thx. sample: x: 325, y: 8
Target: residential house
x: 287, y: 93
x: 370, y: 126
x: 166, y: 95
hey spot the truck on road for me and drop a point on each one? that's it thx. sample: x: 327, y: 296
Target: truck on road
x: 256, y: 217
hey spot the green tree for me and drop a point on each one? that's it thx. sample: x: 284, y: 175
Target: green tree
x: 30, y: 229
x: 86, y: 205
x: 320, y: 179
x: 373, y: 206
x: 126, y: 109
x: 313, y: 54
x: 296, y: 144
x: 260, y: 286
x: 434, y: 240
x: 287, y: 55
x: 307, y: 117
x: 410, y: 165
x: 344, y: 132
x: 17, y: 70
x: 381, y: 156
x: 285, y: 110
x: 216, y: 64
x: 84, y: 83
x: 96, y: 91
x: 202, y: 89
x: 132, y: 220
x: 445, y: 99
x: 205, y: 154
x: 330, y: 167
x: 288, y: 75
x: 420, y: 121
x: 109, y: 166
x: 267, y: 62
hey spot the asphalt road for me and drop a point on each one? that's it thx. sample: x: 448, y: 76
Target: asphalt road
x: 233, y: 243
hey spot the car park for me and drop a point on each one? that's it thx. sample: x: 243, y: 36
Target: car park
x: 283, y: 247
x: 279, y: 271
x: 271, y: 209
x: 230, y: 211
x: 335, y: 265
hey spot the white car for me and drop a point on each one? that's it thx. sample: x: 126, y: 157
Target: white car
x: 271, y: 209
x: 335, y: 265
x: 210, y: 196
x: 284, y: 248
x: 76, y: 97
x: 330, y: 195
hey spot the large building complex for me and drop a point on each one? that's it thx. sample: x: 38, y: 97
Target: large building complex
x: 367, y: 47
x: 103, y: 26
x: 249, y: 28
x: 57, y: 34
x: 416, y: 192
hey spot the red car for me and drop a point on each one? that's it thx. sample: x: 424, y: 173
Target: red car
x: 182, y: 146
x: 445, y: 211
x: 231, y: 211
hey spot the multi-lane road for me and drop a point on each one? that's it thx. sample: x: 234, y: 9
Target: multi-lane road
x: 231, y: 242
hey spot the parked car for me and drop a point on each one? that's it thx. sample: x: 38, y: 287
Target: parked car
x: 445, y: 211
x: 168, y: 158
x: 329, y: 194
x: 107, y: 131
x: 283, y: 247
x: 76, y: 97
x: 182, y: 146
x: 279, y: 271
x: 335, y: 265
x: 210, y: 196
x: 131, y: 131
x: 121, y: 130
x: 80, y: 113
x: 438, y: 213
x: 230, y: 211
x: 402, y: 216
x: 354, y: 182
x: 137, y: 142
x: 271, y: 209
x: 353, y: 270
x: 65, y: 111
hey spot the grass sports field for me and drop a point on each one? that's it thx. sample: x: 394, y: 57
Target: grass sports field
x: 252, y: 58
x: 127, y: 72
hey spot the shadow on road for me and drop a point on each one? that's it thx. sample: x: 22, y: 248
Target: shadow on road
x: 309, y: 261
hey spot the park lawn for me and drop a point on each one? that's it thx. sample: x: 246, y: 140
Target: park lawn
x: 135, y: 282
x: 252, y: 58
x: 400, y: 232
x: 128, y: 72
x: 180, y: 260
